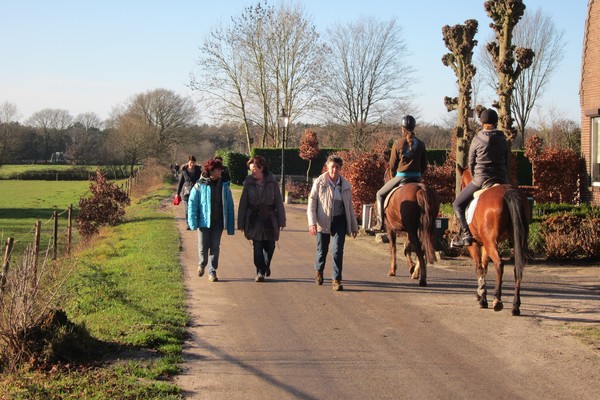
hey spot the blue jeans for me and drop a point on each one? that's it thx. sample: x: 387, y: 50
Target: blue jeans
x: 209, y: 244
x: 338, y: 231
x: 263, y: 254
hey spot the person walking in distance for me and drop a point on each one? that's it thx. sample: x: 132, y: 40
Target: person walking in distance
x: 190, y: 173
x: 331, y: 216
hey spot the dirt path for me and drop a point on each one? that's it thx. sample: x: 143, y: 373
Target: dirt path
x: 382, y: 337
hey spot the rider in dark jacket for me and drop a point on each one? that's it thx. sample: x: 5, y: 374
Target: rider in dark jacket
x: 488, y: 157
x: 408, y: 160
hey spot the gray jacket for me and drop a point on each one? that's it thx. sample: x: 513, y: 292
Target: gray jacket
x: 320, y: 205
x: 261, y: 213
x: 488, y: 157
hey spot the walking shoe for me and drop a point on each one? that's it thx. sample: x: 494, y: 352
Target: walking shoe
x: 200, y: 270
x: 213, y: 278
x: 337, y: 286
x: 319, y: 278
x: 259, y: 278
x: 268, y: 273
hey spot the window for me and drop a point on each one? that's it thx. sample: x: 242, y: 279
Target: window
x: 595, y: 159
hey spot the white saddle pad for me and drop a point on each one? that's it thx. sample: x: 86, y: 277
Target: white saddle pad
x: 471, y: 209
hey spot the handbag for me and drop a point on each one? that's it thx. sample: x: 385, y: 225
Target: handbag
x: 177, y: 200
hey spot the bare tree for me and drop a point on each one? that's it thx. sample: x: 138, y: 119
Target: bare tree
x: 537, y: 32
x: 89, y: 120
x: 266, y: 59
x: 53, y: 124
x: 366, y: 74
x: 8, y: 112
x: 163, y: 114
x: 129, y: 139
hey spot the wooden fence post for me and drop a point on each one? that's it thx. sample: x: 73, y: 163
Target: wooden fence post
x: 55, y: 235
x: 6, y: 263
x: 69, y: 228
x: 36, y: 249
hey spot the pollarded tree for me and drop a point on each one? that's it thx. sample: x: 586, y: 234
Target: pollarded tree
x: 538, y: 32
x: 309, y: 148
x: 509, y: 61
x: 459, y: 39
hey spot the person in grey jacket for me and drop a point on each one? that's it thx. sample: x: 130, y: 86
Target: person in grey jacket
x: 488, y: 156
x: 261, y: 214
x: 331, y: 214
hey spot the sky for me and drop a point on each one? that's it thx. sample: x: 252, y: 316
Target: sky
x: 94, y: 55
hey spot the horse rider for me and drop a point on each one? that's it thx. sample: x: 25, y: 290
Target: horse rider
x: 488, y: 157
x: 408, y: 160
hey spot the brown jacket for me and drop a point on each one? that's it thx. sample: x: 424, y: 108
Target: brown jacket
x: 406, y: 159
x: 261, y: 213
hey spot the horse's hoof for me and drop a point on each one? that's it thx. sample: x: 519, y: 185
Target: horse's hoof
x: 516, y: 313
x: 498, y: 305
x: 422, y: 283
x: 391, y: 273
x: 483, y: 303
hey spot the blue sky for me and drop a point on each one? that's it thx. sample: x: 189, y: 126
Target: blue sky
x: 90, y: 56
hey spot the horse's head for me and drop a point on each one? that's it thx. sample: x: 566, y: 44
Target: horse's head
x: 465, y: 176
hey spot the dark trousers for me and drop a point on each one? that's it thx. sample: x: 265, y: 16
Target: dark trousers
x: 462, y: 202
x: 263, y: 254
x: 338, y: 232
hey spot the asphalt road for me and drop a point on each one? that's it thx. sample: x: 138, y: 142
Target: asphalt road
x: 382, y: 337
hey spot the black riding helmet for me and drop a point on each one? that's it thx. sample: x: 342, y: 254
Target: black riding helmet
x: 409, y: 123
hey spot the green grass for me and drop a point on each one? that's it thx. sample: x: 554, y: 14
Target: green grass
x: 127, y: 290
x: 22, y: 203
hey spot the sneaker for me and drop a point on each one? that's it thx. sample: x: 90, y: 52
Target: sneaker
x: 213, y: 278
x: 200, y: 270
x: 319, y: 278
x: 259, y: 278
x: 268, y: 273
x: 337, y: 286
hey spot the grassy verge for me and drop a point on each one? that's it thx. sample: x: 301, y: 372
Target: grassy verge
x: 127, y: 291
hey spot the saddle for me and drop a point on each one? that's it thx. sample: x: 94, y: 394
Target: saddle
x: 490, y: 183
x: 389, y: 196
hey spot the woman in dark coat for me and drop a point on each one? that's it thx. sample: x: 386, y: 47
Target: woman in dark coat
x: 261, y: 214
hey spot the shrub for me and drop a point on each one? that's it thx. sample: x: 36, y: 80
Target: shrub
x: 236, y: 163
x: 441, y: 179
x: 365, y: 171
x: 571, y: 237
x: 298, y: 190
x: 105, y: 206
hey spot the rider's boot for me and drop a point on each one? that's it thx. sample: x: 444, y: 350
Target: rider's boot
x: 464, y: 237
x: 379, y: 225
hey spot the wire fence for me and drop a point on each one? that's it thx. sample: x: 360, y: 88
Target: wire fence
x: 66, y: 233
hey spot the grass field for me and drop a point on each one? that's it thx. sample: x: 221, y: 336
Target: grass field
x: 11, y: 169
x: 22, y: 203
x: 127, y: 290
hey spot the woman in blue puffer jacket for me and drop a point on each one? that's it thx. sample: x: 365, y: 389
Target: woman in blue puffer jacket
x: 211, y: 211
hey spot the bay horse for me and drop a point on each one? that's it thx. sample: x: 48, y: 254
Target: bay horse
x: 502, y: 213
x: 413, y: 209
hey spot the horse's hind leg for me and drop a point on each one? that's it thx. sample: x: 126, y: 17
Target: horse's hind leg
x: 481, y: 270
x: 413, y: 270
x: 392, y: 237
x: 499, y: 266
x: 517, y: 299
x: 421, y: 270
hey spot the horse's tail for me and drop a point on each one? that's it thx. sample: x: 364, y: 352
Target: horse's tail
x: 427, y: 200
x: 520, y: 228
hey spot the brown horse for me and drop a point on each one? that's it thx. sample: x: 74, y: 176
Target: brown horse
x: 502, y: 213
x: 413, y: 209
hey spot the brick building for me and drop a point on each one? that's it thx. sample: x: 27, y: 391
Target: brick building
x: 589, y: 98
